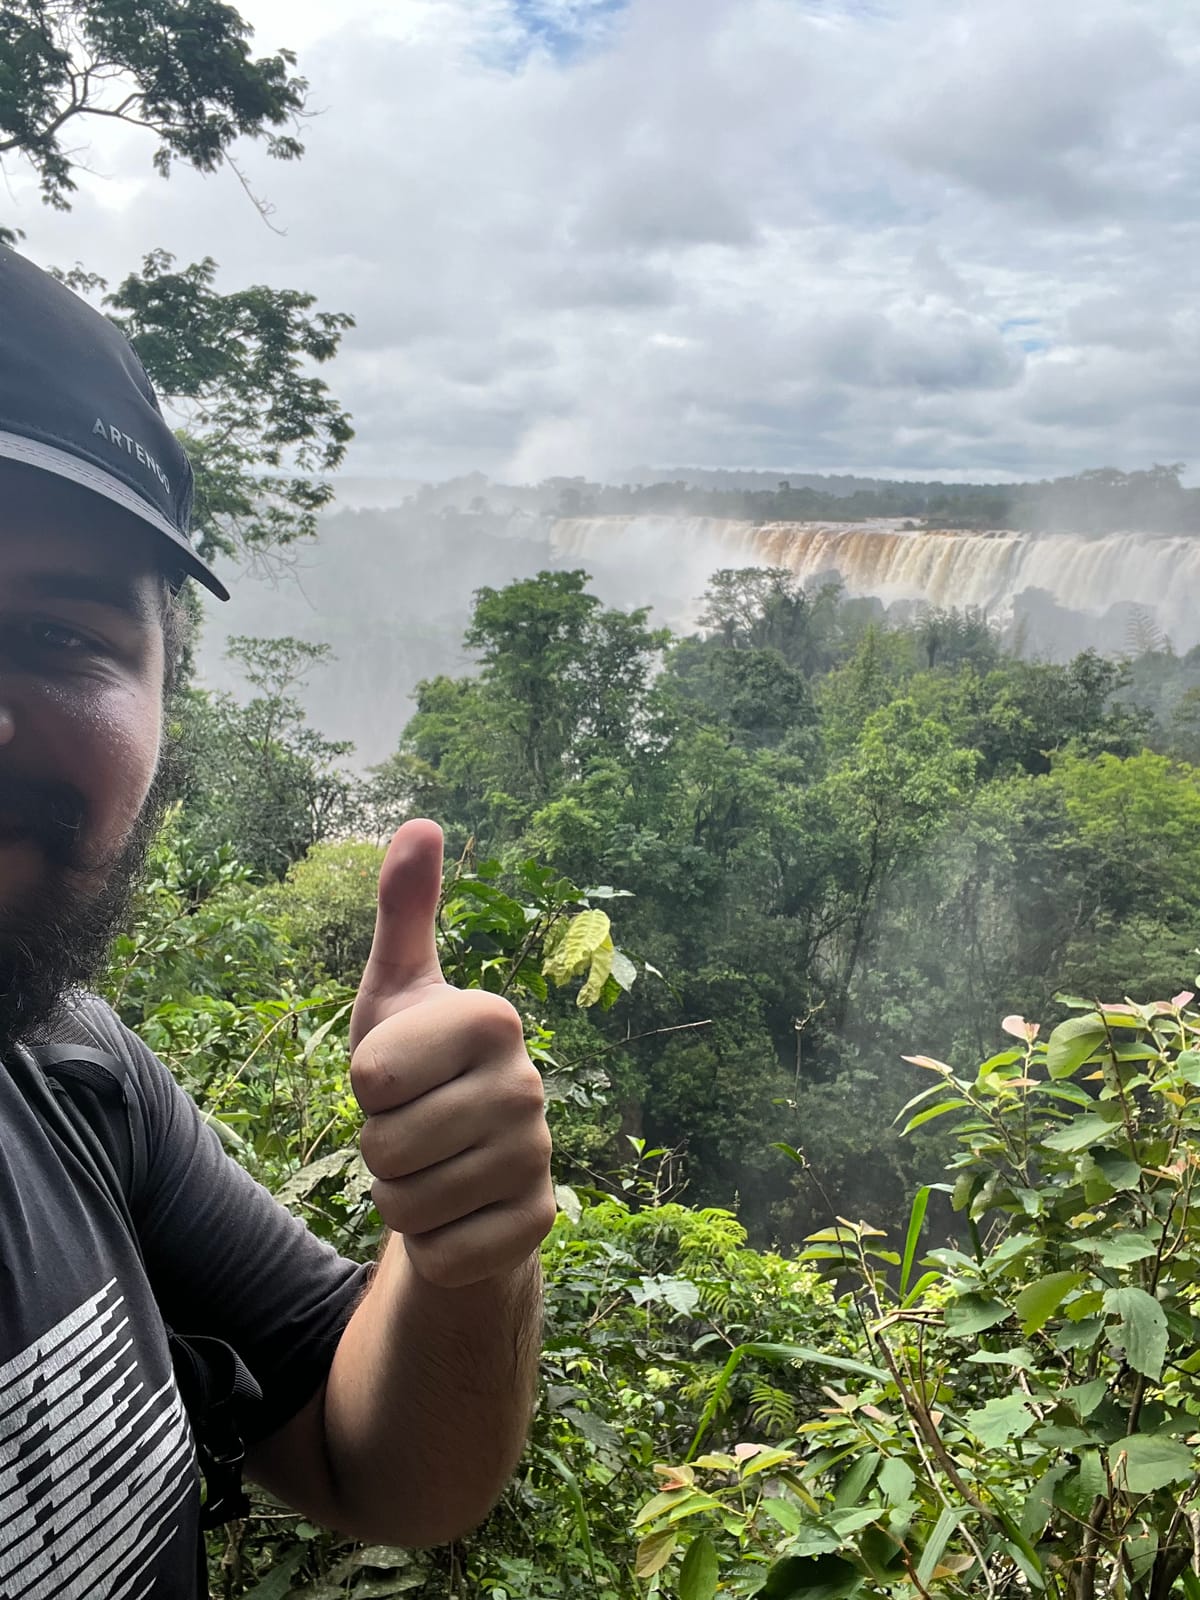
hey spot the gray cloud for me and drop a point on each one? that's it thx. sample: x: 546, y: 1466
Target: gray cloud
x: 948, y: 235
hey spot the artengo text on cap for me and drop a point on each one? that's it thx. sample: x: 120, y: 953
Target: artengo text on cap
x: 133, y: 448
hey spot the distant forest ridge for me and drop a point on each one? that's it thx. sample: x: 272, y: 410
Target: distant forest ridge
x: 1100, y: 501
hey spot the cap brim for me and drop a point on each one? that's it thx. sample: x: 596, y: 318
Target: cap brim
x: 62, y: 464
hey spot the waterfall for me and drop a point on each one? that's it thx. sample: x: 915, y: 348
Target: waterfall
x: 884, y: 558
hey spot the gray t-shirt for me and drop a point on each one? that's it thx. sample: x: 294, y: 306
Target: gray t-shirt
x: 99, y: 1491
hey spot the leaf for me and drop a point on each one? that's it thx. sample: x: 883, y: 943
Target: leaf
x: 929, y: 1064
x: 301, y: 1184
x: 851, y: 1519
x: 624, y: 971
x: 930, y: 1113
x: 277, y: 1585
x: 852, y: 1487
x: 973, y: 1313
x: 576, y: 948
x: 681, y: 1294
x: 1118, y: 1249
x: 883, y: 1554
x: 764, y: 1460
x: 1143, y: 1329
x: 1144, y: 1462
x: 1085, y: 1397
x: 1071, y: 1043
x: 925, y: 1281
x: 1187, y: 1066
x: 221, y: 1126
x: 1001, y: 1420
x: 675, y: 1503
x: 1077, y: 1492
x: 1039, y: 1507
x: 1119, y: 1171
x: 1017, y: 1028
x: 916, y: 1219
x: 1081, y: 1132
x: 568, y: 1201
x: 655, y: 1550
x: 698, y: 1575
x: 315, y: 1039
x: 602, y: 960
x: 1037, y: 1303
x: 936, y: 1546
x: 896, y: 1481
x: 675, y: 1478
x: 823, y: 1577
x: 1019, y: 1358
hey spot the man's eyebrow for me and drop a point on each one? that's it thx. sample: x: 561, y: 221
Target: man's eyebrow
x: 121, y: 594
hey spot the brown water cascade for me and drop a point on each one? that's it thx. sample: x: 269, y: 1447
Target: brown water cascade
x: 886, y: 558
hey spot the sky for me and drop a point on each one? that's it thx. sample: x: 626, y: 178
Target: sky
x: 924, y: 238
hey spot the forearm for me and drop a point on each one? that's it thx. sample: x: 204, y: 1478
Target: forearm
x: 429, y: 1400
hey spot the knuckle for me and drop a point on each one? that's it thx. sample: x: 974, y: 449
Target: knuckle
x: 366, y: 1066
x: 542, y: 1215
x: 541, y: 1147
x: 526, y: 1090
x: 497, y: 1023
x: 371, y: 1145
x: 383, y: 1146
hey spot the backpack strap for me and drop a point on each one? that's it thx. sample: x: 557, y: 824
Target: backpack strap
x: 93, y: 1087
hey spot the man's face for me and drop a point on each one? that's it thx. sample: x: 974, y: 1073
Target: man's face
x: 81, y: 684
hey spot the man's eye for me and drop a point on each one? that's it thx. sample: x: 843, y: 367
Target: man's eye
x: 58, y: 636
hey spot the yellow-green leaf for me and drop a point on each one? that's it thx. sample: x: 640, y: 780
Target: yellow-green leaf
x: 574, y: 951
x: 602, y: 961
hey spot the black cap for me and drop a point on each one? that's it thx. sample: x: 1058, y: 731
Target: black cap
x: 75, y: 401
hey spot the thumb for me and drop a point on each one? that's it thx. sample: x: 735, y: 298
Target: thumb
x: 404, y: 958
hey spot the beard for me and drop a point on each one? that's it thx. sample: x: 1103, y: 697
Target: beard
x: 60, y: 941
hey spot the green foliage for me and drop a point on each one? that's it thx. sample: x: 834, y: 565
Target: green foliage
x: 1026, y: 1414
x: 1010, y: 1410
x: 255, y: 775
x: 234, y: 370
x: 326, y: 905
x: 839, y: 833
x: 180, y: 68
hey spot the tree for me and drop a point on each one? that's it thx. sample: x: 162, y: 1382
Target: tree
x: 767, y: 608
x: 566, y: 679
x: 181, y: 69
x: 233, y: 369
x: 256, y: 776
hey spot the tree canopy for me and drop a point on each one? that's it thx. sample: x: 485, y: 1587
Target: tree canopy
x: 181, y: 69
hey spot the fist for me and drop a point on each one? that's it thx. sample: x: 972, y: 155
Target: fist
x: 456, y: 1133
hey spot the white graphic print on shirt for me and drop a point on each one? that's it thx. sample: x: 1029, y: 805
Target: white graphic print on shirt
x: 93, y: 1468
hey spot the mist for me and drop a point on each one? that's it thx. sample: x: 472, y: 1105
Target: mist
x: 389, y: 583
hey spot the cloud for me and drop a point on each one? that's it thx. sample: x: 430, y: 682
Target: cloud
x: 925, y: 236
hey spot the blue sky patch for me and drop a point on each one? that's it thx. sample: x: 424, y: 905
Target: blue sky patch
x: 564, y: 28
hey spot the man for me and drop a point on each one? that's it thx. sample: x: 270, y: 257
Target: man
x: 394, y: 1414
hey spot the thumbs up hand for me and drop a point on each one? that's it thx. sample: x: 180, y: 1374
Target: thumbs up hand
x: 456, y: 1130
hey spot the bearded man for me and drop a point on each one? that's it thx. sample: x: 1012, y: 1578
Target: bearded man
x: 393, y: 1403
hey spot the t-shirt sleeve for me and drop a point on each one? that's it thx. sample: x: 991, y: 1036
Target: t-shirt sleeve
x: 224, y: 1258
